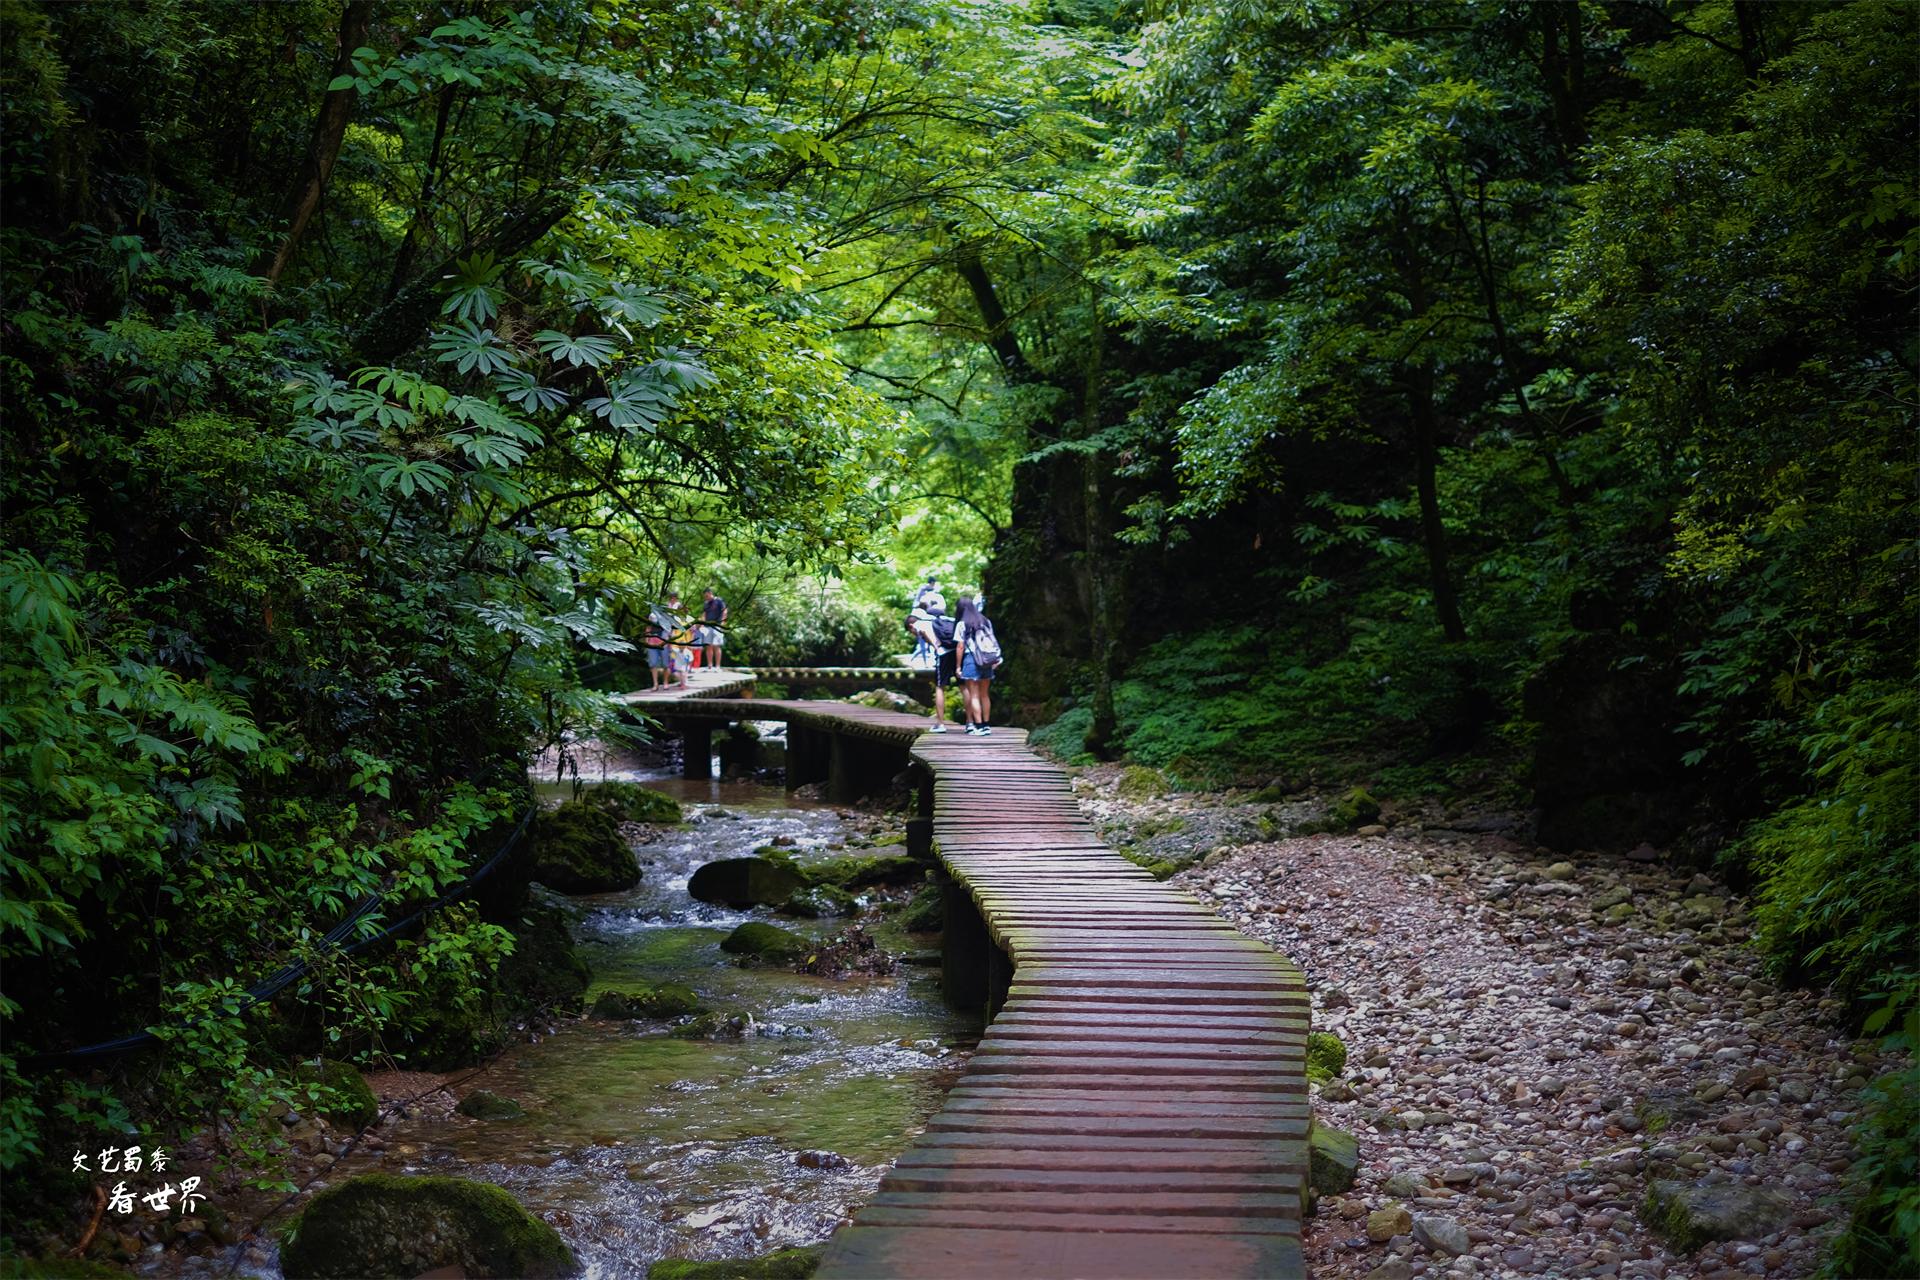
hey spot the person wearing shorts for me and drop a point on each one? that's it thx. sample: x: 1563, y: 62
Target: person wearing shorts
x: 938, y: 629
x: 712, y: 634
x: 975, y: 680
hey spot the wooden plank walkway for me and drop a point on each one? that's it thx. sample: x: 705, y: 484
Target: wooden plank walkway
x: 708, y: 682
x: 1139, y: 1106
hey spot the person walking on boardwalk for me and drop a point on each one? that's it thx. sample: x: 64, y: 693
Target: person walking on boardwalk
x: 979, y: 651
x: 659, y: 652
x: 712, y: 632
x: 938, y: 629
x: 679, y: 641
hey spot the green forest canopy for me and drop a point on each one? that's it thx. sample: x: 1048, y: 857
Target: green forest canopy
x: 1504, y: 396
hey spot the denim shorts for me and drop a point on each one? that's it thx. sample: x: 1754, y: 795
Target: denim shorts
x: 657, y: 657
x: 968, y: 671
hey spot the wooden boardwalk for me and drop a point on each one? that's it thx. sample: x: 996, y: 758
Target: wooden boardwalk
x: 1138, y: 1106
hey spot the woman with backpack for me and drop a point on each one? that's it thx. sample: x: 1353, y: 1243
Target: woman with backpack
x: 979, y: 652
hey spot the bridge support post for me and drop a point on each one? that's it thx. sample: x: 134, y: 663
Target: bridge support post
x: 975, y: 973
x: 920, y: 839
x: 843, y: 770
x: 696, y: 740
x: 806, y: 756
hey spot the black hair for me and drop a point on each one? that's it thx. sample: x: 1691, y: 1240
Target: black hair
x: 969, y: 614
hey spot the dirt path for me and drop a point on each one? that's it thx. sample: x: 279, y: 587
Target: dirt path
x: 1532, y: 1044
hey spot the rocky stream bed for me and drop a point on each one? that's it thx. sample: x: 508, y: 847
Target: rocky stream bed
x: 1546, y: 1054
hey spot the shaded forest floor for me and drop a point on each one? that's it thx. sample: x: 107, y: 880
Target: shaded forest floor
x: 1533, y: 1041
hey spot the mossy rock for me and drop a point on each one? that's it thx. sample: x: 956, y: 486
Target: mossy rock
x: 349, y: 1101
x: 1692, y: 1214
x: 709, y: 1025
x: 757, y: 940
x: 1333, y: 1160
x: 788, y: 1264
x: 746, y: 882
x: 1354, y: 809
x: 926, y: 913
x: 820, y: 900
x: 655, y: 1000
x: 863, y: 872
x: 382, y: 1225
x: 1142, y: 782
x: 577, y: 849
x: 1326, y: 1056
x: 484, y: 1104
x: 631, y: 802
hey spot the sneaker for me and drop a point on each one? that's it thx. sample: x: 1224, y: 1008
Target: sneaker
x: 973, y: 731
x: 938, y: 728
x: 985, y: 729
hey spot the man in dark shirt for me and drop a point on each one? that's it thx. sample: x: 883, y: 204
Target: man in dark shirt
x: 713, y: 631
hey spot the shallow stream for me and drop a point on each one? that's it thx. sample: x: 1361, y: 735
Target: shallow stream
x: 639, y: 1146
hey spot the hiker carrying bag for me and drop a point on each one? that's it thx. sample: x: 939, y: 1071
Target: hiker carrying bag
x: 985, y: 647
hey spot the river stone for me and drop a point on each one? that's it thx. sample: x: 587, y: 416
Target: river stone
x: 1692, y: 1214
x: 819, y: 900
x: 1333, y: 1159
x: 577, y: 849
x: 1560, y: 871
x: 631, y: 802
x: 352, y: 1104
x: 745, y: 882
x: 1326, y: 1057
x: 1441, y: 1235
x: 1406, y: 1186
x: 655, y: 1000
x: 757, y: 941
x: 484, y: 1104
x: 1384, y: 1224
x: 1392, y: 1269
x: 382, y: 1226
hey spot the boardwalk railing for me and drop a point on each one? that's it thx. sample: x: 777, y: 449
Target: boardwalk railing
x: 1138, y: 1106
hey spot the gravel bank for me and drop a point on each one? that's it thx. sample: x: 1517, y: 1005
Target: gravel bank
x: 1534, y: 1043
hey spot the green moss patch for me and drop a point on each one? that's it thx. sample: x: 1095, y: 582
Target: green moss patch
x: 381, y: 1225
x: 578, y: 849
x: 767, y: 943
x: 1326, y: 1056
x: 631, y: 802
x: 788, y: 1264
x: 655, y: 1000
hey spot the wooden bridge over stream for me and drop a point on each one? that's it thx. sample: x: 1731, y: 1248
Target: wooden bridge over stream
x: 1138, y: 1105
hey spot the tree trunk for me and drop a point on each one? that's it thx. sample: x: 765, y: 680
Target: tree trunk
x: 993, y: 316
x: 1101, y: 736
x: 1433, y: 532
x: 329, y: 127
x: 423, y: 208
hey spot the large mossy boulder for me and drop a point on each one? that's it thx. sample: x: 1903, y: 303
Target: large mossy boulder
x: 485, y: 1104
x: 746, y: 882
x: 631, y: 802
x: 578, y: 849
x: 344, y: 1097
x: 787, y: 1264
x: 766, y: 942
x: 381, y: 1225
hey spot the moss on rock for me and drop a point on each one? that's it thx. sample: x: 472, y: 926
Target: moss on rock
x: 820, y: 900
x: 746, y: 882
x: 631, y: 802
x: 787, y: 1264
x: 578, y: 849
x: 655, y: 1000
x: 926, y: 913
x: 1141, y: 782
x: 756, y: 940
x: 484, y: 1104
x: 1333, y: 1160
x: 382, y: 1225
x: 862, y: 872
x: 345, y: 1099
x: 1326, y: 1056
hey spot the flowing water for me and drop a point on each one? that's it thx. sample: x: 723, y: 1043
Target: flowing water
x: 639, y: 1146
